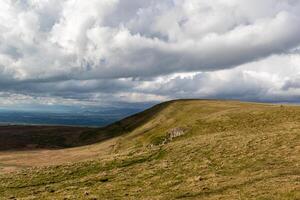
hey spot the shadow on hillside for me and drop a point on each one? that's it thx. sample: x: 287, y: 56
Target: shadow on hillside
x: 121, y: 127
x: 59, y: 137
x: 38, y: 137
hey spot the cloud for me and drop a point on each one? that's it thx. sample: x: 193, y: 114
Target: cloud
x: 264, y: 80
x: 126, y: 49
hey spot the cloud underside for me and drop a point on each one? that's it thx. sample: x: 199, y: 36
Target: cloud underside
x: 94, y: 52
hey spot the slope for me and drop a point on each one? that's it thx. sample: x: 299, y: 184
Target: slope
x: 22, y: 137
x: 187, y: 149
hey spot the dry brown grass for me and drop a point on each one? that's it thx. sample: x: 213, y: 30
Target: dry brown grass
x: 230, y: 150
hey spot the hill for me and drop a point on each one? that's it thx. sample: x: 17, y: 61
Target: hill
x: 185, y: 149
x: 19, y: 137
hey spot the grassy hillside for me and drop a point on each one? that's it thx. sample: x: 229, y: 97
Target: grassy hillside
x: 57, y: 137
x: 192, y: 149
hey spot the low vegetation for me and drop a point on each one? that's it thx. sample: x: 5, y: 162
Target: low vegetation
x: 188, y: 149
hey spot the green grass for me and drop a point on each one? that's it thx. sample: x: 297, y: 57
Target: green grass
x: 230, y: 150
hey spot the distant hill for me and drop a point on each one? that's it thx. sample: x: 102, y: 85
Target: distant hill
x: 91, y: 117
x: 30, y: 137
x: 184, y: 149
x: 15, y: 137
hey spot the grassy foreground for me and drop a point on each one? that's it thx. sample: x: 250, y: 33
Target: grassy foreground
x: 192, y: 149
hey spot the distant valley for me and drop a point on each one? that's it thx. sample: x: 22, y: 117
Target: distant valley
x: 96, y: 118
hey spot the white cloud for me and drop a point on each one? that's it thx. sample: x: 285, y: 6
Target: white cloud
x: 110, y: 49
x: 276, y: 79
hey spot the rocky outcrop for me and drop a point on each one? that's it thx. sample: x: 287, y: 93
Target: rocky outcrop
x: 174, y: 133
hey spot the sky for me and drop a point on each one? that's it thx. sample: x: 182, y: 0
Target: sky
x: 120, y: 52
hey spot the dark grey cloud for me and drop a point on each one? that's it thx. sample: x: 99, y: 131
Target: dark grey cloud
x: 135, y: 50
